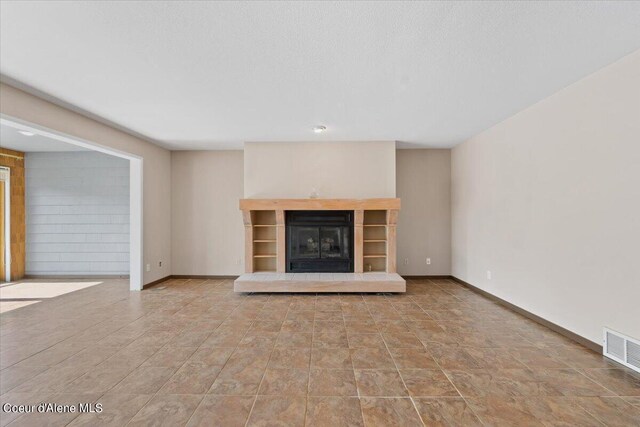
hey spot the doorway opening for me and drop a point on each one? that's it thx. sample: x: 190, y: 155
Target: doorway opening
x: 133, y: 222
x: 5, y: 224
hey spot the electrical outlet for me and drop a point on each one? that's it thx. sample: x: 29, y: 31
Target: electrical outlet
x: 148, y: 267
x: 488, y: 274
x: 239, y: 261
x: 159, y: 263
x: 428, y: 261
x: 406, y: 261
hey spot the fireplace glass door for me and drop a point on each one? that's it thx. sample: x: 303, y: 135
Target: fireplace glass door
x: 332, y: 243
x: 306, y: 243
x: 319, y: 241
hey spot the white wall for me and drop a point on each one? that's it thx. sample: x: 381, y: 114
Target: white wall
x: 206, y: 224
x: 549, y: 201
x: 424, y: 226
x: 156, y: 167
x: 77, y: 213
x: 334, y: 169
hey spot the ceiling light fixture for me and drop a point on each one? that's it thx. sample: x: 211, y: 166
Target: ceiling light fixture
x: 26, y: 133
x: 319, y: 129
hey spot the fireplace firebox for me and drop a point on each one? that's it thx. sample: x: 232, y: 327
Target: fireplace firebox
x: 319, y: 241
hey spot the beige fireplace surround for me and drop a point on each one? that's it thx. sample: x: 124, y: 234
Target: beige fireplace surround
x: 374, y: 247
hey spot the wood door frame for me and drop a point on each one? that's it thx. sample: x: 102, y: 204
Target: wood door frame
x: 136, y: 275
x: 6, y: 275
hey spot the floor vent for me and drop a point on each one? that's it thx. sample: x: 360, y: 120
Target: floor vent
x: 621, y: 348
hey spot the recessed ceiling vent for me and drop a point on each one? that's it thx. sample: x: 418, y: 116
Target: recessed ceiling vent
x: 621, y: 348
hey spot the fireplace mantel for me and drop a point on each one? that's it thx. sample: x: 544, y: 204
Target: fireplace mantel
x: 374, y: 243
x: 318, y: 204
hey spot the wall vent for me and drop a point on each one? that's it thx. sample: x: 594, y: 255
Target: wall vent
x: 622, y: 348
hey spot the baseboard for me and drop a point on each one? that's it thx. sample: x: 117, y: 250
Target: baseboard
x: 432, y: 277
x: 156, y: 282
x: 544, y: 322
x: 74, y: 276
x: 187, y: 276
x: 192, y: 276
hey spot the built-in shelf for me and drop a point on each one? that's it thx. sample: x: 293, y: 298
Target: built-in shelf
x: 376, y: 241
x: 264, y: 264
x: 264, y: 240
x: 375, y: 264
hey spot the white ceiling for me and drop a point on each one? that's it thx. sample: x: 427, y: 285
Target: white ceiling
x: 207, y: 75
x: 12, y: 139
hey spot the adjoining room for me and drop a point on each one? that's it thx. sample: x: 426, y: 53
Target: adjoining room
x: 319, y: 213
x: 69, y: 208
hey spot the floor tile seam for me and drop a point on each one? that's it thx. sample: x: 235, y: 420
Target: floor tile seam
x: 140, y: 366
x: 415, y: 407
x: 457, y: 389
x: 48, y: 394
x: 306, y: 408
x: 67, y: 321
x: 44, y: 349
x: 353, y: 372
x: 444, y: 288
x: 153, y: 397
x: 557, y: 392
x: 104, y: 394
x: 353, y: 369
x: 355, y: 396
x: 46, y: 368
x: 547, y: 355
x: 81, y: 374
x: 264, y: 372
x: 585, y: 408
x: 593, y: 380
x: 131, y: 372
x: 200, y: 403
x: 421, y: 309
x: 413, y: 403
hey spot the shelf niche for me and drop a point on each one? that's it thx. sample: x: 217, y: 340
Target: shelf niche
x: 374, y: 251
x: 261, y: 245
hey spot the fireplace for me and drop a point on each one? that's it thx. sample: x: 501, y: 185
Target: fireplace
x: 319, y: 241
x: 356, y: 238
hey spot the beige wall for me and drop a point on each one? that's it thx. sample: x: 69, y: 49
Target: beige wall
x: 206, y: 225
x: 157, y: 167
x: 549, y: 202
x: 207, y: 231
x: 334, y: 169
x: 423, y: 182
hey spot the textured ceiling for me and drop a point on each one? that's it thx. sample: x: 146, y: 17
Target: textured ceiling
x: 207, y: 75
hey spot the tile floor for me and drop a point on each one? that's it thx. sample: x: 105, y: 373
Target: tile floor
x: 191, y: 352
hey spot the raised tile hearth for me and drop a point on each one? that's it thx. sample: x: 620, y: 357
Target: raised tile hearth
x: 320, y: 282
